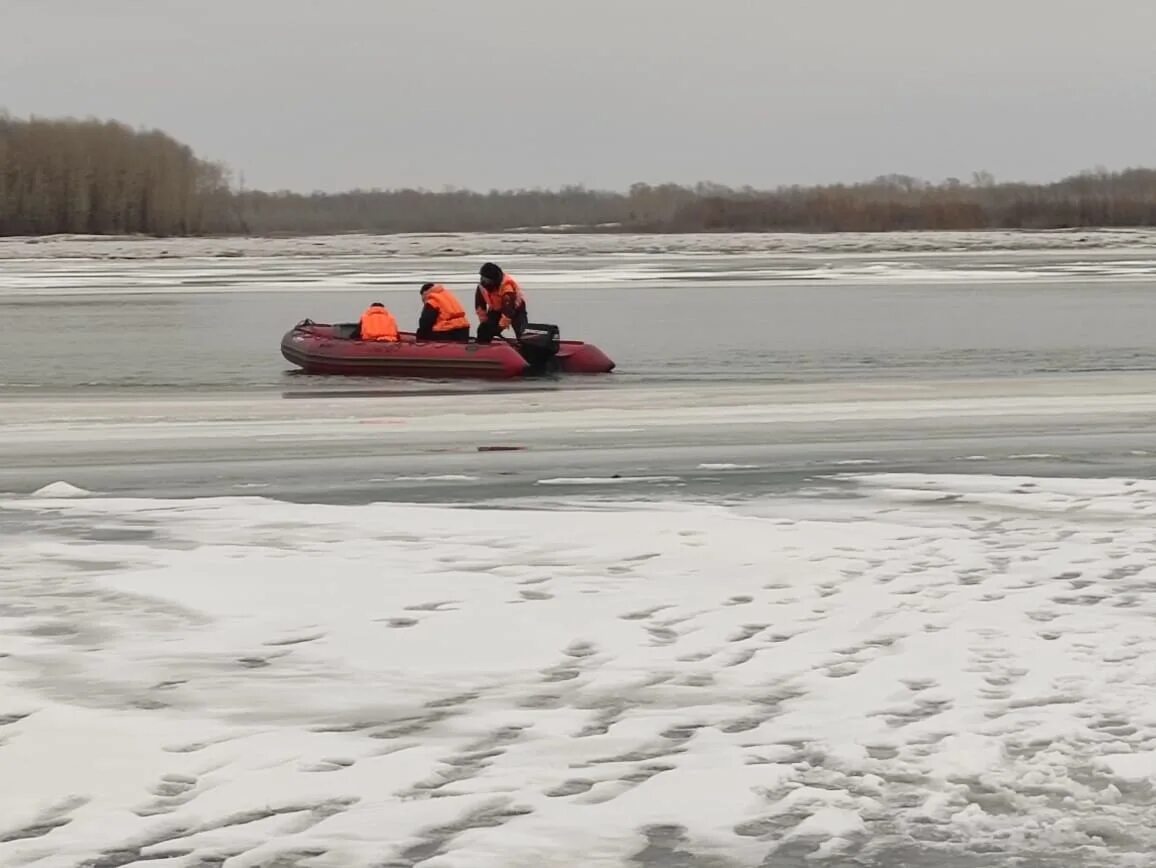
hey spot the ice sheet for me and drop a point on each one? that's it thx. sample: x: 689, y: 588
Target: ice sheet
x: 84, y: 265
x: 532, y: 244
x: 955, y: 664
x: 626, y: 411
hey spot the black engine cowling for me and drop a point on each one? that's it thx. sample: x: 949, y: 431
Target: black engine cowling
x: 539, y: 344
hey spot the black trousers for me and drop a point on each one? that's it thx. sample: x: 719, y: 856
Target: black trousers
x: 489, y: 328
x: 461, y: 335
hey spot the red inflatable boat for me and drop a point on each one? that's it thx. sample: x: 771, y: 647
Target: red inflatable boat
x: 319, y: 348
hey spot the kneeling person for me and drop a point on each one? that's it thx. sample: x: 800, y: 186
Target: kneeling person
x: 499, y: 303
x: 442, y: 316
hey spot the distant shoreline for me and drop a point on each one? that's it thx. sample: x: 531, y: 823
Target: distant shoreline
x: 104, y: 178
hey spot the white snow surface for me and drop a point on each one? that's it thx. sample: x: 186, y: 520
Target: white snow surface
x: 60, y: 489
x: 954, y: 665
x: 604, y: 480
x: 87, y: 265
x: 530, y: 243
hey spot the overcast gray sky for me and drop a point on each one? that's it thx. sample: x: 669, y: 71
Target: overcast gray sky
x: 335, y: 94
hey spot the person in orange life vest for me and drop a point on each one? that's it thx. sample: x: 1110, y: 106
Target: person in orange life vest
x: 499, y: 303
x: 442, y: 316
x: 377, y: 324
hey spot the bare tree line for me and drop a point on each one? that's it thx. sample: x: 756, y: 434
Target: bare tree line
x: 101, y: 177
x: 899, y: 202
x: 894, y: 202
x: 424, y: 211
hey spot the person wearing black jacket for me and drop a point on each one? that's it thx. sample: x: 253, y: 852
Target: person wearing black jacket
x: 442, y: 316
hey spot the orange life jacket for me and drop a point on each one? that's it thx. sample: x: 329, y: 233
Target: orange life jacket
x: 496, y: 298
x: 451, y: 314
x: 378, y: 324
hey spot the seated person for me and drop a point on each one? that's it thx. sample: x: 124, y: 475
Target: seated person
x: 442, y: 316
x: 377, y: 324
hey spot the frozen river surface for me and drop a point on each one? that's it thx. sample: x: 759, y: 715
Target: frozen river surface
x: 848, y: 565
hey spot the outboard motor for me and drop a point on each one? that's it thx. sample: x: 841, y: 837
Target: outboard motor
x: 539, y: 344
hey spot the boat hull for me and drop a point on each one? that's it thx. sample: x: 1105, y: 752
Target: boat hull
x: 319, y: 348
x: 577, y: 357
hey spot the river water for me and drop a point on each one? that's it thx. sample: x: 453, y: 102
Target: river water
x: 848, y: 563
x: 676, y: 316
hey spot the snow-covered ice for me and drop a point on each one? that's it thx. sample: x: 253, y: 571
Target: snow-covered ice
x: 956, y: 667
x: 536, y: 244
x: 60, y: 489
x: 85, y: 265
x: 604, y: 480
x: 437, y: 477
